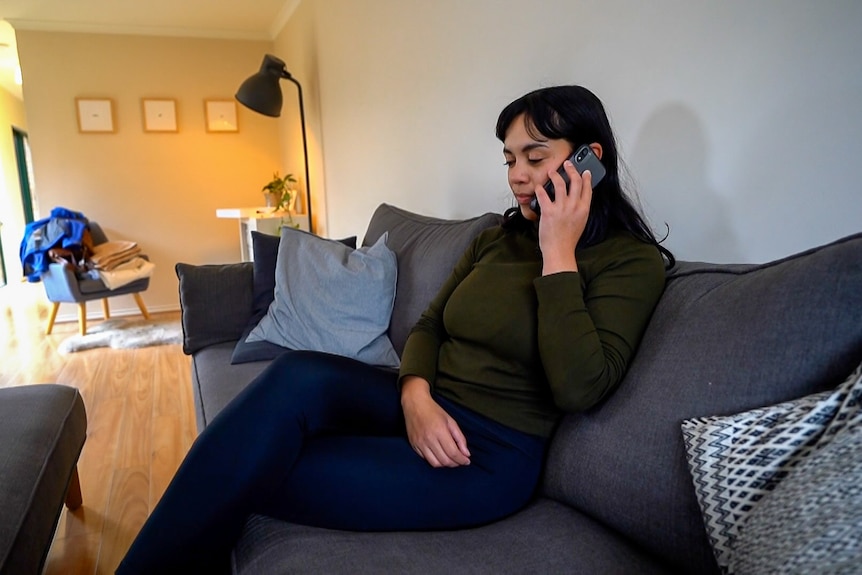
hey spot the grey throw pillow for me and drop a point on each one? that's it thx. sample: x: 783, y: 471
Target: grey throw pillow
x: 265, y: 249
x: 331, y: 298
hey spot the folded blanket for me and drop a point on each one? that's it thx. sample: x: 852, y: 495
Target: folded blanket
x: 109, y: 255
x: 126, y: 273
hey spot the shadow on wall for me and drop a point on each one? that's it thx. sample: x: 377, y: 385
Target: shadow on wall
x: 669, y: 159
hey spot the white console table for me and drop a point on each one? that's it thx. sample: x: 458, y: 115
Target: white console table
x: 263, y: 220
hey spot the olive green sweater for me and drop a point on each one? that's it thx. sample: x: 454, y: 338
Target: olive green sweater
x: 520, y: 348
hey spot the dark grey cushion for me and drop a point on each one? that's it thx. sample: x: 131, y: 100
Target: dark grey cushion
x: 216, y: 303
x: 265, y: 249
x: 546, y: 537
x: 723, y: 339
x: 42, y: 431
x: 427, y: 250
x: 247, y: 351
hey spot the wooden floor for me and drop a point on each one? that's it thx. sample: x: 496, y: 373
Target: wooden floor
x: 140, y: 425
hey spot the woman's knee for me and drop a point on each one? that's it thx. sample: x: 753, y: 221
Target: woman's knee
x: 304, y: 378
x: 308, y: 364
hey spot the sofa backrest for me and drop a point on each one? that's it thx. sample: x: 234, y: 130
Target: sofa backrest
x: 723, y: 339
x: 427, y: 250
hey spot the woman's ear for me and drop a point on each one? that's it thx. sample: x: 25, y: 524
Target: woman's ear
x: 597, y: 149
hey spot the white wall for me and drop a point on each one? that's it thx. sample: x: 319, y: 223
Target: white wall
x: 739, y: 120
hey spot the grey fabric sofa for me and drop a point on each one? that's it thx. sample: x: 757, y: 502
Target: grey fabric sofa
x: 42, y: 431
x: 617, y: 495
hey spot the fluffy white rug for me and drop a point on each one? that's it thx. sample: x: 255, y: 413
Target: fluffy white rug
x: 124, y: 334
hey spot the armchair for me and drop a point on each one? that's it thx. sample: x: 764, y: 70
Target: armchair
x: 63, y: 286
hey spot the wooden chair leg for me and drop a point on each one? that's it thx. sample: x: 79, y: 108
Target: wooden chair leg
x: 82, y: 318
x: 52, y: 317
x: 140, y: 301
x: 105, y: 308
x: 74, y: 499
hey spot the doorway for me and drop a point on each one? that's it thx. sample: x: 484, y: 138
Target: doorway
x: 25, y: 172
x: 24, y: 169
x: 2, y: 259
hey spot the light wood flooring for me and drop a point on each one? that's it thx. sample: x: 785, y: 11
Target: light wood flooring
x: 140, y: 425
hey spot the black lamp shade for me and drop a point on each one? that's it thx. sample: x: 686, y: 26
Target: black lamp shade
x: 261, y: 92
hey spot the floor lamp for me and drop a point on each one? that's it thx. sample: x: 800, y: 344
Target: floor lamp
x: 262, y: 93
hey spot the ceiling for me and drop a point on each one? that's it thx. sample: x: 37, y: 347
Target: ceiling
x: 235, y: 19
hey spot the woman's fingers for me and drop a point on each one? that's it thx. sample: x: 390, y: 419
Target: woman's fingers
x: 580, y: 191
x: 447, y: 449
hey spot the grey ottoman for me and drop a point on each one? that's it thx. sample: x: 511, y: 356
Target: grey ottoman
x: 42, y: 431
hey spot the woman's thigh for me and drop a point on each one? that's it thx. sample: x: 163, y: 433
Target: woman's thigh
x: 319, y: 393
x: 372, y: 483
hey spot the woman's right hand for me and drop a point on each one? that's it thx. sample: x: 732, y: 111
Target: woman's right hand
x: 564, y: 220
x: 432, y: 433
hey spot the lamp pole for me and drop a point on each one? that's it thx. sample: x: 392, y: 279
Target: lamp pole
x: 287, y: 76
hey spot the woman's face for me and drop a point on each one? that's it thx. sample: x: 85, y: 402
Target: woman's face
x: 529, y: 160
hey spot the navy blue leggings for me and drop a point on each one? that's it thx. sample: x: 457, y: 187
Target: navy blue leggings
x: 320, y: 439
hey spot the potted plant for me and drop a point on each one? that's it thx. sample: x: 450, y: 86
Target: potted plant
x: 278, y: 193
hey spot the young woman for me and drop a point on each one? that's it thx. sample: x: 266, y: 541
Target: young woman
x: 541, y: 316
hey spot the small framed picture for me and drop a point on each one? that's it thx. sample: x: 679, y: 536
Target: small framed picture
x: 221, y: 116
x: 95, y: 115
x: 160, y: 115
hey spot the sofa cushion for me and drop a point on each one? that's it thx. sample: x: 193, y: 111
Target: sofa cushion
x: 737, y: 460
x: 812, y: 522
x: 546, y: 537
x: 265, y: 249
x: 216, y: 303
x: 427, y: 250
x: 215, y: 382
x: 723, y: 339
x: 331, y: 298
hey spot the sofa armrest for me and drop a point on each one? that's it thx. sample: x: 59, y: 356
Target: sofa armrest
x: 216, y: 302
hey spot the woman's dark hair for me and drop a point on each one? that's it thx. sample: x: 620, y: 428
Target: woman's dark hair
x: 575, y: 114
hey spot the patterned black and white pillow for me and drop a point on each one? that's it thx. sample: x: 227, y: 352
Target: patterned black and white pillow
x: 811, y: 522
x: 736, y: 460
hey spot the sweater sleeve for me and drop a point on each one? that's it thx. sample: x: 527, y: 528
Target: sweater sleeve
x: 423, y: 343
x: 590, y: 322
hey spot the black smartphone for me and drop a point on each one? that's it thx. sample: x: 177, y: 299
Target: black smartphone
x: 583, y: 159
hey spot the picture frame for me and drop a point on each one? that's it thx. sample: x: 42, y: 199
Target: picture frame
x: 221, y: 116
x: 95, y: 115
x: 160, y: 114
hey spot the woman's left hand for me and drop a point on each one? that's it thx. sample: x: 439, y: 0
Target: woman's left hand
x: 432, y: 432
x: 563, y: 221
